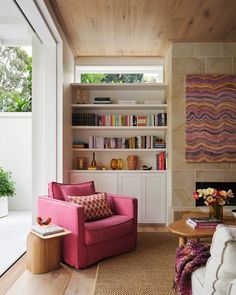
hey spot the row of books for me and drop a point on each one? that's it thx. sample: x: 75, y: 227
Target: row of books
x: 161, y: 161
x: 204, y: 222
x: 135, y: 142
x: 90, y: 119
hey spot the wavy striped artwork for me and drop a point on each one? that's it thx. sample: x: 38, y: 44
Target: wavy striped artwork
x: 210, y: 118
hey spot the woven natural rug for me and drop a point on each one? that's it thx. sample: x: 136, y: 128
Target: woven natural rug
x: 148, y: 270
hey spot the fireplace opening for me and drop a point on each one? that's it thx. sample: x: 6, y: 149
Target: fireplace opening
x: 219, y: 186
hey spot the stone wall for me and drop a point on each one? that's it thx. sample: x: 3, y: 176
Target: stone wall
x: 217, y: 58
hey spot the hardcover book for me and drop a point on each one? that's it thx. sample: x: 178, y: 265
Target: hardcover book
x: 46, y: 230
x: 201, y: 226
x: 203, y: 220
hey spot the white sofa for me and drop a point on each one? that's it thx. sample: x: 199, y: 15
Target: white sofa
x: 218, y: 277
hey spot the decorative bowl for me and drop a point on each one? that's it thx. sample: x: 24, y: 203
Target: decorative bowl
x: 234, y: 212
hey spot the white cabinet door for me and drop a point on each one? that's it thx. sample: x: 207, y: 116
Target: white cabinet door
x: 130, y: 184
x: 154, y: 195
x: 148, y: 188
x: 106, y: 182
x: 79, y: 177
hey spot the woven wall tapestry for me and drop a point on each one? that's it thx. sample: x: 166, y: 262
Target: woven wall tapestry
x: 210, y: 118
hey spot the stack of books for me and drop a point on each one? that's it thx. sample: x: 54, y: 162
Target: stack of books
x: 45, y: 230
x: 203, y: 222
x: 102, y: 100
x: 80, y: 145
x: 160, y: 144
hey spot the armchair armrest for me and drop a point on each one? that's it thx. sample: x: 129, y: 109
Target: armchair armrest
x: 123, y: 205
x: 69, y: 216
x: 62, y: 213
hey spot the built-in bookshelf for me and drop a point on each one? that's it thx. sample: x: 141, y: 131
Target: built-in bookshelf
x: 116, y: 128
x: 131, y: 120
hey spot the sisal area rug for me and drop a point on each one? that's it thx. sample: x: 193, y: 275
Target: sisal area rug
x: 148, y: 270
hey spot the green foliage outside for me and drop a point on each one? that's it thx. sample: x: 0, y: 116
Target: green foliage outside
x: 15, y: 80
x: 7, y: 186
x: 111, y: 78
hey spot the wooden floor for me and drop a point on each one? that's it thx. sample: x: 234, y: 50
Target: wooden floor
x: 66, y: 280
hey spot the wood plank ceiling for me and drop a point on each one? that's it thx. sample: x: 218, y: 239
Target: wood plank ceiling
x: 143, y: 27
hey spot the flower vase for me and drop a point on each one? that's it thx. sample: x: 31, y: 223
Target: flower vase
x: 216, y: 211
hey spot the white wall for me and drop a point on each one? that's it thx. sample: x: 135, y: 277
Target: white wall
x: 15, y: 156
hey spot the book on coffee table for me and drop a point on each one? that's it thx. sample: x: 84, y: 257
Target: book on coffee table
x: 203, y: 222
x: 202, y: 226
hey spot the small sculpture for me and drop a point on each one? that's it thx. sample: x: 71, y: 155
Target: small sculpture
x: 40, y: 220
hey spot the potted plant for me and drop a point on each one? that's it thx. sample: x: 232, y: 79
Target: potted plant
x: 7, y: 189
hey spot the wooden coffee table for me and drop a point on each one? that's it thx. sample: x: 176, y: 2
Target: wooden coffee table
x: 184, y: 231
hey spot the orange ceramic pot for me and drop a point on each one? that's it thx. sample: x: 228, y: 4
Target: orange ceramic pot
x: 132, y: 162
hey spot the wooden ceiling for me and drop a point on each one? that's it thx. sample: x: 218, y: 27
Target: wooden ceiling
x: 143, y: 27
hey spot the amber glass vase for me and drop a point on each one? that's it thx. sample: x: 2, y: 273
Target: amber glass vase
x: 113, y: 164
x: 120, y: 164
x: 216, y: 211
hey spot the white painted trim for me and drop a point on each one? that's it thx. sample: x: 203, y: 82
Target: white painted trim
x: 59, y: 101
x: 36, y: 21
x: 44, y: 119
x: 15, y: 114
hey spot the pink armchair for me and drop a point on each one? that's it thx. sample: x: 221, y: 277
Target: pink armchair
x: 94, y: 240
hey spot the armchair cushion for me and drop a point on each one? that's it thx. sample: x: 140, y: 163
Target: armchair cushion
x: 220, y: 268
x: 95, y: 206
x: 232, y: 288
x: 60, y: 191
x: 198, y: 280
x: 108, y: 229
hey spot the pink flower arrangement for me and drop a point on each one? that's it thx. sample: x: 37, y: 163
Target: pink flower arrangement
x: 211, y: 196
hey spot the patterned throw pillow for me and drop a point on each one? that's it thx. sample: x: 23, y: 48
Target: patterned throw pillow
x: 95, y: 206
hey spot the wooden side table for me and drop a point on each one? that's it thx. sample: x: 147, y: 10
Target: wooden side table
x: 43, y: 252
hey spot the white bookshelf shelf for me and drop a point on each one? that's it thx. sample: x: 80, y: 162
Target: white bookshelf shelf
x: 121, y: 127
x: 118, y: 171
x: 118, y: 150
x: 114, y: 86
x: 119, y: 106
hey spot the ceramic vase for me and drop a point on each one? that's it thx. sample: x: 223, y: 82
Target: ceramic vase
x: 132, y: 162
x: 3, y: 206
